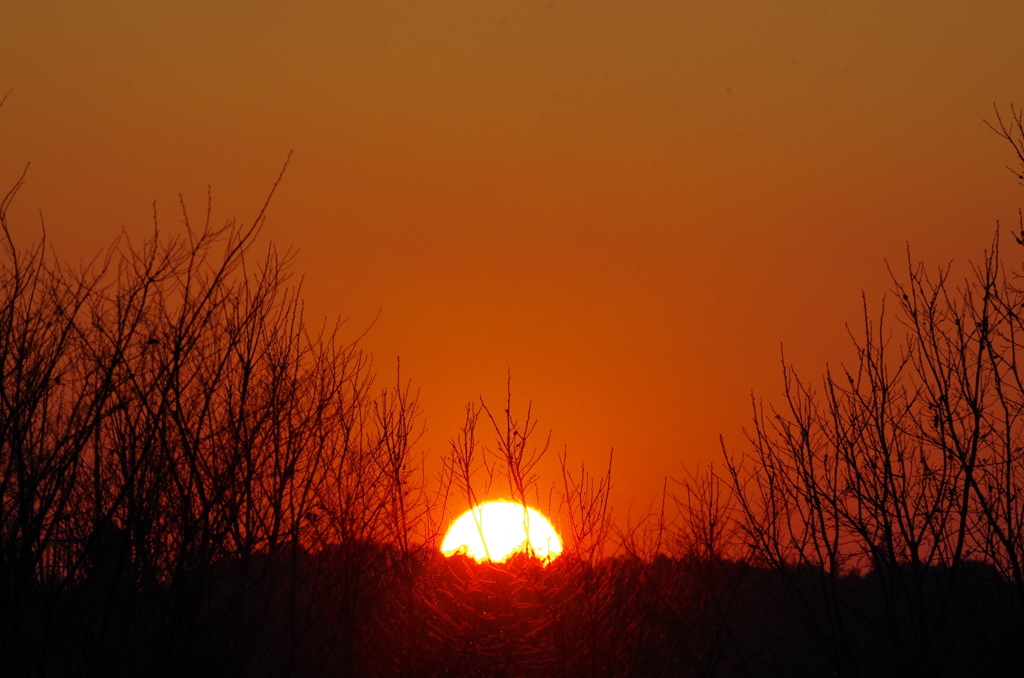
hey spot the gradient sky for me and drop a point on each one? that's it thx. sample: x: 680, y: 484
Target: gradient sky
x: 631, y: 206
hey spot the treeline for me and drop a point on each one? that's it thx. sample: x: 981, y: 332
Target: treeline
x: 174, y: 436
x: 194, y: 481
x: 908, y: 468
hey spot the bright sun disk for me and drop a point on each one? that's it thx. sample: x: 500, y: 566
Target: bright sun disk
x: 498, y: 529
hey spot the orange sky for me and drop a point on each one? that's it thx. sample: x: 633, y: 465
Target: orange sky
x: 630, y: 205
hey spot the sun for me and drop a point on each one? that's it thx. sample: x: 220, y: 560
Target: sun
x: 498, y: 529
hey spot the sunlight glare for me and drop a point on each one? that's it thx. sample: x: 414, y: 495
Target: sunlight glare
x: 498, y: 529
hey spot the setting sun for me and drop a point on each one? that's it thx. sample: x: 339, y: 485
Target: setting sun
x: 498, y: 529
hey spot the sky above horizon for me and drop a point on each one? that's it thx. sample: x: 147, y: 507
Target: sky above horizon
x: 632, y: 208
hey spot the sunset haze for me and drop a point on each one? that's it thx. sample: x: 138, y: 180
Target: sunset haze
x: 633, y: 209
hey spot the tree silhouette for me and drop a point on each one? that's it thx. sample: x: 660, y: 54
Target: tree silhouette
x: 886, y: 493
x: 196, y: 481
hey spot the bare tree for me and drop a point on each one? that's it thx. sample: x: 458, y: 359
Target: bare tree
x: 180, y: 453
x: 901, y: 476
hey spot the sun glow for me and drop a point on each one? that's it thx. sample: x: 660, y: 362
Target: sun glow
x: 498, y: 529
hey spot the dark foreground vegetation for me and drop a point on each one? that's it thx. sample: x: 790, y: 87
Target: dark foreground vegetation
x: 372, y: 612
x: 195, y: 482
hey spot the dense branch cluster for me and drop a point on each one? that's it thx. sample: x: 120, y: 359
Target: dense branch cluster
x: 170, y: 425
x: 907, y: 468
